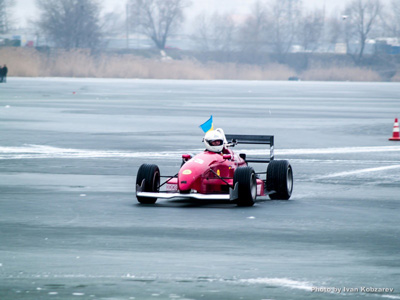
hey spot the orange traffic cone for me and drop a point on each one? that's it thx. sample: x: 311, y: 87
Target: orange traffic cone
x: 396, y: 136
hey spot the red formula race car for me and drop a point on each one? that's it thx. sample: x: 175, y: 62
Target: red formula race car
x: 219, y: 174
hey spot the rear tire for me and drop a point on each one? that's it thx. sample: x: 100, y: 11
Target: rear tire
x: 280, y: 179
x: 246, y: 179
x: 151, y: 176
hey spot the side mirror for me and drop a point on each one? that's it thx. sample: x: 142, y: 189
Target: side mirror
x: 227, y: 156
x: 186, y: 156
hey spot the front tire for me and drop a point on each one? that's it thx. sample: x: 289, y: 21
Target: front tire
x: 280, y: 179
x: 246, y: 179
x: 151, y: 176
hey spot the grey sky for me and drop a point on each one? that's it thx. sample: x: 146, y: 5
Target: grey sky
x: 25, y: 9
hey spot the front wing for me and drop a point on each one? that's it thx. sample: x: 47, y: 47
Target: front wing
x: 232, y: 196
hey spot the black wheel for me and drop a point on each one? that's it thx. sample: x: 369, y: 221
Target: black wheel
x: 280, y: 179
x: 247, y: 185
x: 151, y: 176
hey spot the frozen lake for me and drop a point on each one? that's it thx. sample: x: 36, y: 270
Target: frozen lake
x: 70, y: 225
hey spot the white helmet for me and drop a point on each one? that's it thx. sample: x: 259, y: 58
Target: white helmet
x: 214, y: 141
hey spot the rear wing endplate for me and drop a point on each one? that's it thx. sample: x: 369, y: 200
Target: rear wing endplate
x: 253, y: 140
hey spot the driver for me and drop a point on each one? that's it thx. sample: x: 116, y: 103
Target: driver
x: 215, y: 140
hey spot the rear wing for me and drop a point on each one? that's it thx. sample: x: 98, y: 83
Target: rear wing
x: 254, y: 140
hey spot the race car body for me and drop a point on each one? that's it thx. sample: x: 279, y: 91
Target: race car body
x: 219, y: 176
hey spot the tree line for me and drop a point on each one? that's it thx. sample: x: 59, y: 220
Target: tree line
x: 5, y: 15
x: 274, y: 26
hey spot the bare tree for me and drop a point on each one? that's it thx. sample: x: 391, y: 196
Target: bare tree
x: 334, y: 29
x: 157, y: 19
x: 215, y: 33
x: 5, y: 15
x: 70, y: 23
x: 311, y: 29
x: 202, y: 32
x: 362, y: 19
x: 253, y: 31
x: 224, y: 31
x: 112, y: 23
x: 391, y: 19
x: 284, y: 22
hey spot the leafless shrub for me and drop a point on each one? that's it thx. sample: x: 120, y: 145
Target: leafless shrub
x: 22, y: 62
x: 80, y: 63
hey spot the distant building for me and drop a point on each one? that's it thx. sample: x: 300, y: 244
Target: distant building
x: 340, y: 48
x: 388, y: 45
x: 17, y: 40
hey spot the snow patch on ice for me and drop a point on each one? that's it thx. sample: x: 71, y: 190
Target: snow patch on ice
x: 356, y: 172
x: 343, y: 150
x: 283, y: 282
x: 41, y: 151
x: 44, y: 151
